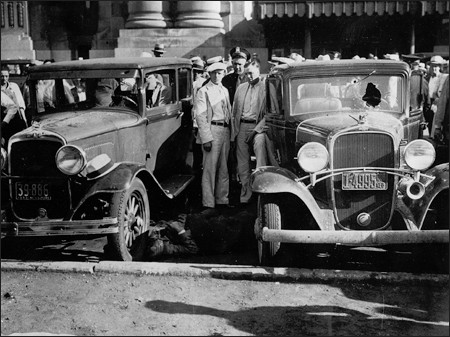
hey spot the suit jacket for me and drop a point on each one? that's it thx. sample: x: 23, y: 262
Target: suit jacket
x: 204, y: 111
x: 238, y: 106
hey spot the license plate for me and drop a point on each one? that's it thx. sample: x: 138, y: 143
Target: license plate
x: 364, y: 181
x: 32, y: 191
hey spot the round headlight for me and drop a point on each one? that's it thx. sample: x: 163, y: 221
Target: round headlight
x: 419, y: 154
x: 70, y: 159
x: 312, y: 157
x: 4, y: 157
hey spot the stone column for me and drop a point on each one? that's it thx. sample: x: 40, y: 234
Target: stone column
x: 148, y: 14
x: 198, y: 14
x: 16, y: 43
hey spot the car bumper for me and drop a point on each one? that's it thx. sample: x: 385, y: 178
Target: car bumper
x: 60, y: 227
x: 356, y: 238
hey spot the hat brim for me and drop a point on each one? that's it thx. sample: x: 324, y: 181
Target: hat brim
x: 158, y: 51
x: 216, y: 66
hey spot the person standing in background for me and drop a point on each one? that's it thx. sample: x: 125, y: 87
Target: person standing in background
x: 12, y: 90
x: 159, y: 50
x: 239, y: 58
x: 435, y: 84
x: 215, y: 127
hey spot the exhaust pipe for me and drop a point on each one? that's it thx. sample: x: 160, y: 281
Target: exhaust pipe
x: 413, y: 189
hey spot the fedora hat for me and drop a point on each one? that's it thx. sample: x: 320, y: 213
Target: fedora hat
x: 217, y: 66
x: 99, y: 166
x: 238, y: 52
x: 437, y: 59
x: 197, y: 63
x: 159, y: 48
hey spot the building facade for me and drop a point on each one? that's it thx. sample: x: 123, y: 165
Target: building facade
x: 64, y: 30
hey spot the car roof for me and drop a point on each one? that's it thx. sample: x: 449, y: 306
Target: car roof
x: 112, y: 63
x: 346, y: 64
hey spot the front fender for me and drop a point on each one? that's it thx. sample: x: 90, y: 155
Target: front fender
x: 118, y: 180
x: 271, y: 179
x: 419, y: 208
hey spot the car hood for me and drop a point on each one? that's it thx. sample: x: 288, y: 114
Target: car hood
x: 84, y: 124
x: 327, y: 123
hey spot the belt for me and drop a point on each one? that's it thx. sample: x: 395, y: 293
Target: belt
x: 224, y: 124
x: 250, y: 121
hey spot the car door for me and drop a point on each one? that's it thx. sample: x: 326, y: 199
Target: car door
x: 163, y: 111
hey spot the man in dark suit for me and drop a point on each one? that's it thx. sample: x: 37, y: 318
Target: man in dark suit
x: 239, y: 58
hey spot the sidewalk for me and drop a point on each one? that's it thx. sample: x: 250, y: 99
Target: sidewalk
x: 235, y: 272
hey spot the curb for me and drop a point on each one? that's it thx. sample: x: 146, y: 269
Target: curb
x: 231, y: 272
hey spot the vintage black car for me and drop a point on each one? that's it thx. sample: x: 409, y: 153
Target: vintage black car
x: 108, y: 144
x: 353, y: 170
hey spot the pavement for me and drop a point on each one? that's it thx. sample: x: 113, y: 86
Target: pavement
x: 235, y: 272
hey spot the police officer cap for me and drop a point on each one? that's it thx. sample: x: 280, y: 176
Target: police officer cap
x: 238, y: 52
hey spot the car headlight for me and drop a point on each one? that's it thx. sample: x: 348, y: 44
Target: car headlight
x: 4, y: 157
x: 419, y: 154
x: 70, y: 159
x: 312, y: 157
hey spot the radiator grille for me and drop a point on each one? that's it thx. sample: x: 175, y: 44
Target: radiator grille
x: 363, y: 150
x: 33, y: 163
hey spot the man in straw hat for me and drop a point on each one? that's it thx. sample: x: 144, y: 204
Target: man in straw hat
x: 435, y: 85
x: 215, y: 126
x: 159, y: 50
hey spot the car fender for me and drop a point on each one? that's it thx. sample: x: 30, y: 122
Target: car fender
x: 119, y: 179
x: 270, y: 179
x: 420, y: 207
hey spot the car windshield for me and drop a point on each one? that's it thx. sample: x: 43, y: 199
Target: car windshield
x: 345, y: 93
x: 63, y: 92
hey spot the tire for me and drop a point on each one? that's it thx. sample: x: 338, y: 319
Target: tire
x: 132, y: 209
x: 270, y: 217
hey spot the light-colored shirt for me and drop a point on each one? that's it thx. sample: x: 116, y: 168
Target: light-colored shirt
x: 250, y: 108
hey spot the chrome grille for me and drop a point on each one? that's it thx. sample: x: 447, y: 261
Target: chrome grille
x: 33, y: 165
x: 363, y: 149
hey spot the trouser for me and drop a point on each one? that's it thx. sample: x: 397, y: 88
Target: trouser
x: 243, y: 157
x: 215, y: 179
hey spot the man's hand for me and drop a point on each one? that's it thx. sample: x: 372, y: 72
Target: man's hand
x: 10, y: 113
x: 175, y: 226
x: 207, y: 146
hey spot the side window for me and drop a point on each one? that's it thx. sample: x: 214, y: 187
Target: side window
x: 160, y: 88
x: 274, y: 97
x: 184, y: 83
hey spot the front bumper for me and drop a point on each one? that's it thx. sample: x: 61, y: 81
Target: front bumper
x: 60, y: 227
x: 356, y: 238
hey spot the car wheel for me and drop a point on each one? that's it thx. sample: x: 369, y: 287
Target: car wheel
x: 132, y: 209
x: 270, y: 217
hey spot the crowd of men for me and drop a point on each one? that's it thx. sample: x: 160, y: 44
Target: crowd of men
x: 229, y: 102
